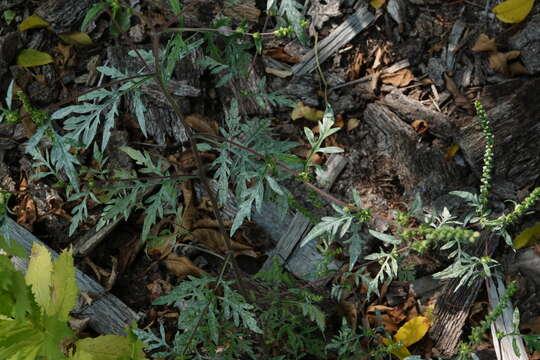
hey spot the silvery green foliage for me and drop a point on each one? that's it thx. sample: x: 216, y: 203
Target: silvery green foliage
x: 8, y: 101
x: 225, y: 315
x: 467, y: 268
x: 125, y: 196
x: 346, y: 222
x: 255, y: 180
x: 389, y: 269
x: 275, y: 98
x: 81, y: 121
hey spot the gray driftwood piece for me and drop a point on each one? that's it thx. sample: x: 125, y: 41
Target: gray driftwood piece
x: 453, y: 306
x: 107, y: 314
x: 396, y: 148
x: 513, y: 111
x: 302, y: 261
x: 344, y: 33
x: 504, y: 325
x: 64, y: 15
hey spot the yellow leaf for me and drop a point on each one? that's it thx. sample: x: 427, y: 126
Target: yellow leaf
x: 306, y: 112
x: 513, y: 11
x: 528, y: 236
x: 31, y: 57
x: 33, y: 22
x: 39, y: 274
x: 377, y: 3
x: 76, y: 38
x: 412, y: 331
x: 63, y: 287
x: 451, y: 152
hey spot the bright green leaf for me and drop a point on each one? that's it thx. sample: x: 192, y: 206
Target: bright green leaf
x: 33, y: 22
x: 39, y: 274
x: 9, y: 15
x: 513, y: 11
x: 31, y: 57
x: 106, y: 347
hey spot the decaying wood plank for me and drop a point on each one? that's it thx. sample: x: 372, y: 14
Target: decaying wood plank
x: 302, y: 261
x: 504, y: 324
x: 419, y: 167
x: 452, y: 307
x: 107, y: 314
x: 513, y: 111
x: 344, y: 33
x: 64, y: 15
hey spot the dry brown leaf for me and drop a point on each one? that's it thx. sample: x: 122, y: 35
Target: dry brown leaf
x: 189, y: 215
x: 350, y: 311
x: 182, y: 267
x: 420, y: 126
x: 399, y: 78
x: 499, y: 61
x: 356, y: 65
x: 352, y: 123
x: 459, y: 99
x: 280, y: 54
x: 484, y: 43
x: 516, y: 68
x: 243, y: 9
x: 214, y: 240
x: 201, y: 124
x: 158, y: 288
x: 378, y: 57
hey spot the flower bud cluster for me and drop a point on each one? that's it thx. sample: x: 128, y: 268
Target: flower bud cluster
x: 520, y: 209
x: 443, y: 234
x: 485, y: 185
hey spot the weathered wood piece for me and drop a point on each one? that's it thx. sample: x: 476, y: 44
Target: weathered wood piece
x: 344, y: 33
x: 528, y: 42
x: 504, y: 324
x: 302, y: 261
x: 161, y: 121
x: 418, y: 166
x: 452, y: 307
x: 108, y: 314
x: 513, y: 111
x: 64, y: 15
x: 410, y: 110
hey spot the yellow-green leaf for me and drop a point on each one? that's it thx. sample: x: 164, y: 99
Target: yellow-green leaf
x: 33, y: 22
x: 513, y: 11
x: 306, y: 112
x: 377, y: 3
x: 106, y: 347
x: 76, y: 38
x: 412, y: 331
x: 528, y: 236
x: 31, y: 57
x: 64, y: 287
x: 39, y: 274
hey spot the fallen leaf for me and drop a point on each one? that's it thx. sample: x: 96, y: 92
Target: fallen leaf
x: 420, y: 126
x: 182, y: 267
x: 459, y: 99
x: 499, y: 61
x: 527, y: 237
x: 213, y: 239
x: 399, y: 78
x: 280, y: 54
x: 451, y: 152
x: 350, y: 311
x: 279, y: 73
x: 484, y: 43
x: 306, y: 112
x: 410, y: 333
x: 513, y: 11
x: 516, y: 68
x: 33, y: 22
x: 352, y: 123
x: 76, y: 38
x: 201, y: 124
x: 377, y: 3
x: 31, y: 57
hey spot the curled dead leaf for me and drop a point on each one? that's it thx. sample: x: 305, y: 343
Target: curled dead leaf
x: 306, y: 112
x: 484, y: 43
x: 499, y: 61
x: 420, y: 126
x: 201, y: 124
x: 182, y: 267
x: 352, y: 123
x: 399, y: 78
